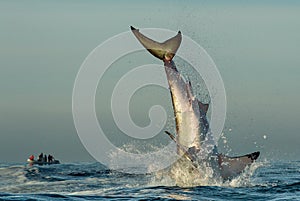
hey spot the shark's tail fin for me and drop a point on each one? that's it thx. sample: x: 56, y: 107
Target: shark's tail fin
x: 232, y: 166
x: 165, y: 50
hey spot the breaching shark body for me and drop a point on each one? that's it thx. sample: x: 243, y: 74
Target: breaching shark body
x: 193, y: 136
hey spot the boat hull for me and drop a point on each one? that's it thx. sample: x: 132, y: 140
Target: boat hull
x: 34, y: 162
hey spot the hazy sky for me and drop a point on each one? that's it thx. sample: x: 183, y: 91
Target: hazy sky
x: 43, y: 44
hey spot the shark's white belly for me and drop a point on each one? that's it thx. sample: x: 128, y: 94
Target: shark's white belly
x: 188, y: 130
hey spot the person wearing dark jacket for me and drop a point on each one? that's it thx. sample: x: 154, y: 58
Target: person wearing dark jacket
x: 41, y: 157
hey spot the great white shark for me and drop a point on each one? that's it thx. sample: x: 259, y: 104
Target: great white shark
x: 194, y: 138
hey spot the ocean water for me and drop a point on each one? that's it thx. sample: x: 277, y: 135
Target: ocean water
x: 93, y: 181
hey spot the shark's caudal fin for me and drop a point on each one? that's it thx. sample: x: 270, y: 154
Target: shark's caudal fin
x: 165, y: 50
x: 232, y: 166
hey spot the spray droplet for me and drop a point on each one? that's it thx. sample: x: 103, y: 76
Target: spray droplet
x: 265, y: 137
x: 230, y: 129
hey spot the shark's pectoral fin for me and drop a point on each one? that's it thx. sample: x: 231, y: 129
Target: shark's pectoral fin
x: 203, y: 106
x: 186, y: 152
x: 163, y: 51
x: 232, y: 166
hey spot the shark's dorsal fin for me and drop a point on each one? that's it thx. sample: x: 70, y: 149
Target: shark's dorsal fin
x: 165, y: 50
x: 203, y: 106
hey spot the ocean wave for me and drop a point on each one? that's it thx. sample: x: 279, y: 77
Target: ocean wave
x: 92, y: 181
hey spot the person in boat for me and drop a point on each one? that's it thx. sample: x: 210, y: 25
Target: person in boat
x: 50, y: 158
x: 41, y: 157
x: 45, y: 158
x: 31, y: 157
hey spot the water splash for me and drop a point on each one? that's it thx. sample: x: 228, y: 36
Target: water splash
x: 142, y: 154
x: 245, y: 179
x: 184, y: 174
